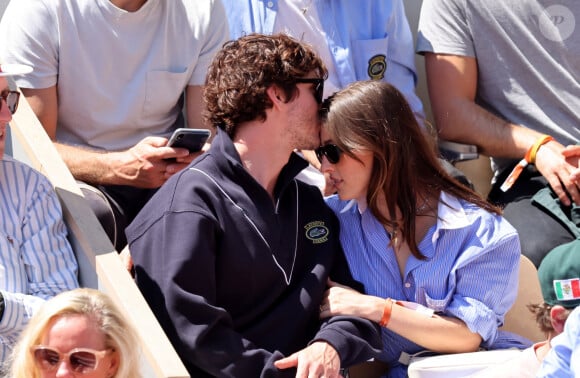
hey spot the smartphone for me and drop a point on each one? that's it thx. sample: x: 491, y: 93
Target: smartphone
x: 192, y: 139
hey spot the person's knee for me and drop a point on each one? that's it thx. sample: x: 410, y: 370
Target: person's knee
x: 536, y: 245
x: 539, y: 232
x: 102, y: 209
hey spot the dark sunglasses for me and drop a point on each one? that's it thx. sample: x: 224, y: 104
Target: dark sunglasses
x: 11, y: 98
x: 318, y: 86
x: 331, y: 151
x: 81, y: 360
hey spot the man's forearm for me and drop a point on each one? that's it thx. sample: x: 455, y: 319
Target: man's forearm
x: 453, y: 81
x: 86, y: 164
x: 467, y: 122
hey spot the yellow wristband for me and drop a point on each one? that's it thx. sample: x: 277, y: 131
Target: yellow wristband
x: 531, y: 155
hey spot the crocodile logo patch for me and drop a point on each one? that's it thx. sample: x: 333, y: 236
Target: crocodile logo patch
x: 317, y: 232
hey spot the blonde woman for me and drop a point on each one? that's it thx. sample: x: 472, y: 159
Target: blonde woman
x: 77, y: 333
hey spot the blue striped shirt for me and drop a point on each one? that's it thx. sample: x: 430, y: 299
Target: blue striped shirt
x: 36, y: 260
x: 470, y: 272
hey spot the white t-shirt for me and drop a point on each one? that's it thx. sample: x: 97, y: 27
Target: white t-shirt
x: 120, y: 74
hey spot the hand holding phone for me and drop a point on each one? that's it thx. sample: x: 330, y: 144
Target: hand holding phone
x: 192, y: 139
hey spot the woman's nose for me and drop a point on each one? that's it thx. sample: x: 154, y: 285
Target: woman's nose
x: 325, y: 165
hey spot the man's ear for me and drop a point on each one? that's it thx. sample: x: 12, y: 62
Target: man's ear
x: 275, y: 94
x: 558, y: 316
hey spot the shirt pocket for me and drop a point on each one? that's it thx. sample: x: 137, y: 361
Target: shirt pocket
x: 436, y: 304
x: 162, y: 92
x: 370, y: 58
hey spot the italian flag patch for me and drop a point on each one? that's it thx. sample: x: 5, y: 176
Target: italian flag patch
x: 567, y: 290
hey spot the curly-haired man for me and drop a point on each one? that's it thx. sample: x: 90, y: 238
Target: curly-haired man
x: 233, y: 254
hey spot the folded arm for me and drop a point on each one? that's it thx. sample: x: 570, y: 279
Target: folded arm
x: 438, y: 333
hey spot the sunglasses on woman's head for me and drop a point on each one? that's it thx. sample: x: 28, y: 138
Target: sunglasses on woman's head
x: 331, y: 151
x: 318, y: 86
x: 11, y: 98
x: 81, y: 360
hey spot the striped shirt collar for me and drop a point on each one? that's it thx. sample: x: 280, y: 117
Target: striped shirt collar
x: 450, y: 213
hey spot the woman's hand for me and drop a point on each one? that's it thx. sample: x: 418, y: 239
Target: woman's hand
x: 342, y: 300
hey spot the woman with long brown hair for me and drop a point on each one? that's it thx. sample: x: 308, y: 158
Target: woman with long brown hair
x: 439, y: 263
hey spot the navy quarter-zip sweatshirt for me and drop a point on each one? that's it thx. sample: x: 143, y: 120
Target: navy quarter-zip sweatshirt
x: 236, y: 279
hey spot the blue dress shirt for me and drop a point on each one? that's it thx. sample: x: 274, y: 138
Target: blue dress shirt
x: 470, y: 271
x: 367, y: 39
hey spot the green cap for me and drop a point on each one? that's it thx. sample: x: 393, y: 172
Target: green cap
x: 559, y: 275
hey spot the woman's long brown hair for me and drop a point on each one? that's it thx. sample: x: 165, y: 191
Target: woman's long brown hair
x: 375, y: 116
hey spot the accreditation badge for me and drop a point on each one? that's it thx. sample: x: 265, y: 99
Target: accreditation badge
x: 377, y: 67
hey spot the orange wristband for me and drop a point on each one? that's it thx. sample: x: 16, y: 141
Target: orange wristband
x: 386, y: 312
x: 529, y: 158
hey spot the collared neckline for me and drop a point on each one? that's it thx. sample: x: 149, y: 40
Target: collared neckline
x: 450, y: 213
x: 226, y: 152
x: 448, y: 208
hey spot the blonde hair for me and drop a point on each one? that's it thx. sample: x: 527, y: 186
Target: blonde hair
x: 97, y: 306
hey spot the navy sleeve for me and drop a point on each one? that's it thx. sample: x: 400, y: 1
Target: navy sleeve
x: 355, y: 339
x: 175, y: 269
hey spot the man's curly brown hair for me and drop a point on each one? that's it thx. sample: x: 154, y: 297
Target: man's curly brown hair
x: 242, y: 71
